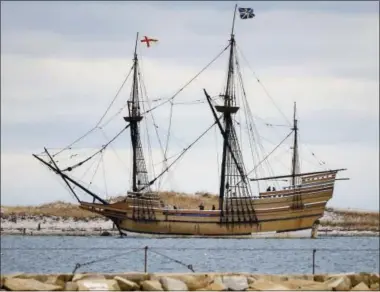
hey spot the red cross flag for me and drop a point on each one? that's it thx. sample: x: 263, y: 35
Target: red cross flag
x: 148, y: 41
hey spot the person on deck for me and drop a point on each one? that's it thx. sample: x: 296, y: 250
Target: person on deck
x: 268, y: 189
x: 201, y: 206
x: 273, y: 189
x: 213, y: 207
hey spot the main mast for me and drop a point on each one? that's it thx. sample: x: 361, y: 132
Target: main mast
x: 235, y: 201
x: 229, y: 101
x: 295, y: 158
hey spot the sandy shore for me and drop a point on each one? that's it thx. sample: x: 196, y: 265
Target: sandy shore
x: 56, y: 226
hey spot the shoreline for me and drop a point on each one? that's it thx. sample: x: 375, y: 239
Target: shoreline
x: 116, y: 234
x: 56, y: 226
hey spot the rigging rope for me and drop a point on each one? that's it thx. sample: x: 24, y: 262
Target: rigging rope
x: 148, y: 111
x: 100, y: 120
x: 246, y: 111
x: 217, y: 155
x: 114, y: 151
x: 112, y: 117
x: 84, y: 174
x: 320, y: 162
x: 191, y: 80
x: 169, y: 129
x: 182, y: 153
x: 144, y: 93
x: 287, y: 136
x: 70, y: 168
x: 251, y: 124
x: 264, y: 88
x: 286, y: 150
x: 155, y: 126
x: 168, y: 158
x: 104, y: 174
x: 96, y: 170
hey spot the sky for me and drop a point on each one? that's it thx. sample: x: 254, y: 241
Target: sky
x: 63, y: 62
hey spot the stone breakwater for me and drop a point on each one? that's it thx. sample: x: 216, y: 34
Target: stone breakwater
x: 190, y: 282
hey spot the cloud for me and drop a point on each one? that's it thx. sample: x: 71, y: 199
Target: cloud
x: 63, y: 62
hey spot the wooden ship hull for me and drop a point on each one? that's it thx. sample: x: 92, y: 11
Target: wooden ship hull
x: 278, y: 211
x: 206, y: 223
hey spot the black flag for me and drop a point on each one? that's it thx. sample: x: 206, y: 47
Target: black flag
x: 246, y: 13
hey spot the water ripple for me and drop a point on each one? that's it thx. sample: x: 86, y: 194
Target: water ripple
x: 334, y: 255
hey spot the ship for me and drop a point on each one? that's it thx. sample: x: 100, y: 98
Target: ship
x: 240, y: 211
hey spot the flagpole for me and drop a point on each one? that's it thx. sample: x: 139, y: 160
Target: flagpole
x: 233, y: 21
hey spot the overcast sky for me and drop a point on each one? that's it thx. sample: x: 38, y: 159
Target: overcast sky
x: 62, y: 63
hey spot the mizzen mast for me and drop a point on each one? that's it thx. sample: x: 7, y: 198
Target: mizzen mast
x: 295, y: 157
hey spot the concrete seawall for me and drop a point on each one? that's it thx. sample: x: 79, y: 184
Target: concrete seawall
x: 134, y: 281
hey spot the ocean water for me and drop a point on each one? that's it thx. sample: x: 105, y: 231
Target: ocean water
x: 60, y: 254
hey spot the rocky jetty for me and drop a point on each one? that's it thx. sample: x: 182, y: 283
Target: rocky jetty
x: 132, y: 281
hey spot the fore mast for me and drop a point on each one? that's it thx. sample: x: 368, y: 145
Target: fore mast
x: 141, y: 192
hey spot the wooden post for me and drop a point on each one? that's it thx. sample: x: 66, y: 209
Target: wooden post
x: 314, y: 251
x: 145, y: 259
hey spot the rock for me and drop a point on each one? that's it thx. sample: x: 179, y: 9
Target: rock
x: 358, y: 278
x: 38, y: 277
x: 374, y: 287
x: 251, y: 280
x: 105, y: 233
x: 218, y: 280
x: 131, y: 276
x: 71, y: 286
x: 194, y: 282
x: 296, y: 284
x: 339, y: 283
x: 296, y: 277
x: 374, y: 279
x: 270, y: 278
x: 262, y: 285
x: 317, y: 286
x: 151, y: 285
x: 126, y: 285
x: 58, y: 280
x: 15, y: 275
x: 360, y: 287
x: 235, y: 283
x: 17, y: 284
x: 320, y: 278
x: 170, y: 284
x: 78, y: 277
x: 98, y: 284
x: 216, y: 286
x: 68, y: 277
